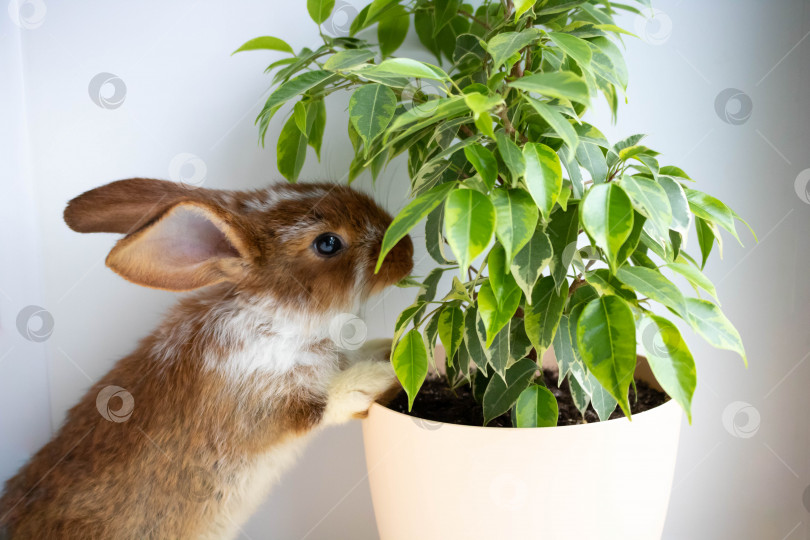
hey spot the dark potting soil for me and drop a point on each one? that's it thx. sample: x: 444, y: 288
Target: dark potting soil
x: 437, y: 402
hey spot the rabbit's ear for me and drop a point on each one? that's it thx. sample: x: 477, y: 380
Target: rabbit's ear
x: 192, y: 245
x: 126, y: 205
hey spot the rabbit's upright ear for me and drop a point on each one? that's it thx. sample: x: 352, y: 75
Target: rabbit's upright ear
x: 191, y: 245
x: 125, y: 205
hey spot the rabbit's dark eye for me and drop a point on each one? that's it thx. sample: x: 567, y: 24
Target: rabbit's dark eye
x: 327, y: 244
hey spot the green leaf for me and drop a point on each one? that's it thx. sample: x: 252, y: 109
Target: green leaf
x: 556, y: 121
x: 479, y: 103
x: 606, y: 283
x: 695, y: 277
x: 556, y: 84
x: 499, y: 351
x: 475, y: 339
x: 451, y: 329
x: 515, y: 219
x: 430, y: 332
x: 606, y: 340
x: 670, y: 170
x: 501, y: 393
x: 563, y: 349
x: 458, y: 292
x: 412, y: 214
x: 468, y: 49
x: 444, y: 12
x: 484, y: 163
x: 542, y: 316
x: 607, y: 216
x: 292, y: 88
x: 543, y: 176
x: 291, y: 150
x: 607, y: 61
x: 320, y: 10
x: 651, y: 201
x: 392, y: 29
x: 511, y: 155
x: 316, y: 124
x: 670, y: 360
x: 603, y: 403
x: 631, y: 243
x: 484, y: 125
x: 653, y: 284
x: 557, y: 6
x: 705, y: 236
x: 434, y: 237
x: 713, y: 210
x: 536, y: 407
x: 496, y: 311
x: 371, y: 109
x: 269, y: 43
x: 407, y: 67
x: 530, y: 262
x: 576, y: 48
x: 499, y: 276
x: 590, y: 156
x: 348, y: 59
x: 469, y: 220
x: 300, y: 117
x: 562, y: 231
x: 505, y: 44
x: 522, y: 6
x: 579, y: 396
x: 678, y: 203
x: 708, y: 321
x: 378, y: 8
x: 423, y: 24
x: 520, y: 346
x: 410, y: 363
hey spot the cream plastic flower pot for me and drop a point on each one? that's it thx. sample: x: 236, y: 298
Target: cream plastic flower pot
x: 437, y: 481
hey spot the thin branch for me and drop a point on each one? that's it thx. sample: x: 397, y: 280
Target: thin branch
x: 508, y: 127
x: 475, y: 19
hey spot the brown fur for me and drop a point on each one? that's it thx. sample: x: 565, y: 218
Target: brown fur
x: 169, y: 468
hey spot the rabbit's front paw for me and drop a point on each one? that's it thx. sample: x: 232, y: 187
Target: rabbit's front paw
x: 378, y: 350
x: 353, y: 390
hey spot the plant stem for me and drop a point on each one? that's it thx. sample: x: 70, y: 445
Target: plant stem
x: 508, y: 127
x: 475, y: 19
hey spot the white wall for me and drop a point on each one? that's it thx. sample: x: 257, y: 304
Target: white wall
x: 185, y: 94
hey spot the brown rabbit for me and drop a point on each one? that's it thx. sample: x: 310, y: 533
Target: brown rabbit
x: 183, y: 437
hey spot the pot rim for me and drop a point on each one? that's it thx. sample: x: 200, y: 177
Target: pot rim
x: 664, y: 408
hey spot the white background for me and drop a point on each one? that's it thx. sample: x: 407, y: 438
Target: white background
x: 185, y: 94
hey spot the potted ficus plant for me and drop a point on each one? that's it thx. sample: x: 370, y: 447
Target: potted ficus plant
x: 554, y: 252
